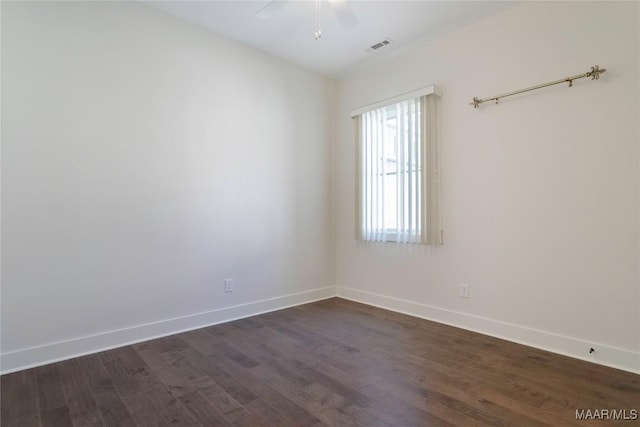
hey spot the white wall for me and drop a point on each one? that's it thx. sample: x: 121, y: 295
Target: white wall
x: 132, y: 184
x: 540, y: 193
x: 144, y: 160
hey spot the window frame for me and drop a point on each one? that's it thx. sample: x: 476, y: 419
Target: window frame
x: 429, y: 232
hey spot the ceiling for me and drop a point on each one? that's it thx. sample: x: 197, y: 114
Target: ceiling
x: 289, y: 32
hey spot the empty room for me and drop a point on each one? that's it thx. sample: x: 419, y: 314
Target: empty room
x: 320, y: 213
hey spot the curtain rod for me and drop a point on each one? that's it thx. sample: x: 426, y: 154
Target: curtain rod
x: 594, y: 74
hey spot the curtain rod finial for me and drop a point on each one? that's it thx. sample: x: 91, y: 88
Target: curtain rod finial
x: 595, y: 72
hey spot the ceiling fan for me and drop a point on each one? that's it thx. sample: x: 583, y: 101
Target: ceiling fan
x: 341, y: 9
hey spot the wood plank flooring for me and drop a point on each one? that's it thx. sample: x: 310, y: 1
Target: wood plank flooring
x: 330, y: 363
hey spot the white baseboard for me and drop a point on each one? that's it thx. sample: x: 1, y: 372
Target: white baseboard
x: 54, y: 352
x: 605, y: 355
x: 63, y: 350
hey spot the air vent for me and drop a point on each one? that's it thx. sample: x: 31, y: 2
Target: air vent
x: 379, y: 45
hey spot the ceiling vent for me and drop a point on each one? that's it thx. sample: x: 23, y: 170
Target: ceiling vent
x: 379, y: 45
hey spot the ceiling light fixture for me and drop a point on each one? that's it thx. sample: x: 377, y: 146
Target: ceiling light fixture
x: 318, y: 33
x: 340, y: 8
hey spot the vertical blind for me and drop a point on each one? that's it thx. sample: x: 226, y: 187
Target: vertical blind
x: 398, y: 183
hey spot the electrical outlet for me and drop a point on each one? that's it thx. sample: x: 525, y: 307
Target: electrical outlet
x: 228, y: 285
x: 463, y: 291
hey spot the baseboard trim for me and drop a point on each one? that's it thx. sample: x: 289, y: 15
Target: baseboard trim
x: 54, y: 352
x: 618, y: 358
x: 68, y: 349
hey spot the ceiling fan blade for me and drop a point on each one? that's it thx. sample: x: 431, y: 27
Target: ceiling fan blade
x: 344, y: 13
x: 270, y: 9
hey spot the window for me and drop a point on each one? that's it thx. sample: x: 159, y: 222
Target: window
x: 398, y: 185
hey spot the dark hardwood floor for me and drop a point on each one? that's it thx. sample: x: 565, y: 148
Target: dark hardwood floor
x: 333, y: 362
